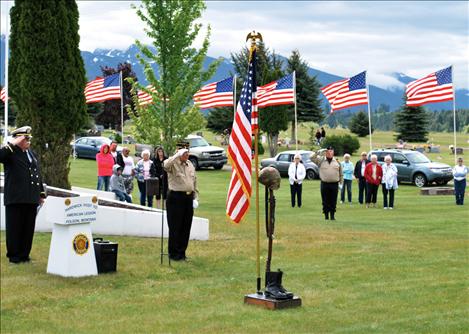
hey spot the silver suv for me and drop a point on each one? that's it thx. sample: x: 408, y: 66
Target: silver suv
x: 282, y: 161
x: 203, y: 154
x: 415, y: 167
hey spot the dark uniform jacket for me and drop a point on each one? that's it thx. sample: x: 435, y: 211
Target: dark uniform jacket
x: 357, y: 172
x: 23, y: 181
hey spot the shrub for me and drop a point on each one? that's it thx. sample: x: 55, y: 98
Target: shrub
x: 260, y: 148
x: 342, y: 144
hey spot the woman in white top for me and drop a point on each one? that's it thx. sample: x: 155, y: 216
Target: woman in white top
x: 389, y: 182
x: 128, y: 165
x: 143, y: 171
x: 296, y: 175
x: 459, y: 174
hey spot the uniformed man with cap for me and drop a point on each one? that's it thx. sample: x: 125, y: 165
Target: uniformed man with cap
x: 180, y: 203
x: 23, y: 192
x: 330, y: 173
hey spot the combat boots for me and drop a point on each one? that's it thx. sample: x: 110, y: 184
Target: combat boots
x: 273, y: 286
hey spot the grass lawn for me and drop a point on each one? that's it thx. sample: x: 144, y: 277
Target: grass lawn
x: 371, y: 270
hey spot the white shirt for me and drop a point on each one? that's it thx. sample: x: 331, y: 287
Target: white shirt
x: 129, y: 165
x: 300, y: 173
x: 459, y: 172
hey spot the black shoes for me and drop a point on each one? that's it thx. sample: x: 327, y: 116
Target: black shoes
x: 273, y: 286
x: 326, y: 215
x: 332, y: 215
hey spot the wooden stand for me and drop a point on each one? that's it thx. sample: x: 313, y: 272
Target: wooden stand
x: 271, y: 304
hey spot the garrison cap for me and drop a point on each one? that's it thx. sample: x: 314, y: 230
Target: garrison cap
x: 23, y: 131
x: 330, y: 148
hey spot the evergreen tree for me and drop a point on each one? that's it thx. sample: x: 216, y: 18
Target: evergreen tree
x: 172, y: 28
x: 111, y: 113
x: 411, y: 124
x: 308, y: 103
x: 220, y: 119
x: 47, y: 80
x: 359, y: 124
x: 274, y: 119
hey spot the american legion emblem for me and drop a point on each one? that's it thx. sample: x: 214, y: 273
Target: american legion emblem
x: 81, y: 244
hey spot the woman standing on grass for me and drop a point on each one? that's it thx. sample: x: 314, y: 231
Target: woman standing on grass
x: 105, y: 162
x: 158, y: 161
x: 373, y: 176
x: 143, y: 171
x: 127, y: 164
x: 347, y: 172
x: 459, y: 174
x: 389, y: 182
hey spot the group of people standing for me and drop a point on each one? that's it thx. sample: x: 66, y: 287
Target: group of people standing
x: 117, y: 171
x: 320, y: 135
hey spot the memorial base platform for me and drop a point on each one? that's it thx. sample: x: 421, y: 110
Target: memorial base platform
x: 271, y: 304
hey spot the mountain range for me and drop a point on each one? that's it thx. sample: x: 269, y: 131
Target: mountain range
x: 392, y: 97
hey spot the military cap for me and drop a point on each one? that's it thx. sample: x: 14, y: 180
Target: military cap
x: 23, y: 131
x: 330, y: 148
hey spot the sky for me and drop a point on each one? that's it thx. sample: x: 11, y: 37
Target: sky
x: 342, y: 38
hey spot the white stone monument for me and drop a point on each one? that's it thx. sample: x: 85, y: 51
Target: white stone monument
x: 71, y: 251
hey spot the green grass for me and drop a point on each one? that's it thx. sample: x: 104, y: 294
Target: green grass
x: 370, y: 271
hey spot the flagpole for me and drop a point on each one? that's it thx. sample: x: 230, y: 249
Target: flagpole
x: 234, y: 96
x: 7, y: 37
x: 296, y: 116
x: 454, y: 116
x: 122, y: 109
x: 369, y: 112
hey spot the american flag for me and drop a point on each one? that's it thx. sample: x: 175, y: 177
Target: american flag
x: 435, y: 87
x: 216, y: 94
x: 240, y: 149
x: 144, y: 98
x: 346, y: 93
x: 3, y: 95
x: 103, y: 89
x: 276, y: 93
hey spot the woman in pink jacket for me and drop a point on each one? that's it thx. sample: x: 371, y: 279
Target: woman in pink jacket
x: 105, y: 162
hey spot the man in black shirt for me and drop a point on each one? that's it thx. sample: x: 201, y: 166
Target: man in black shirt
x: 23, y: 192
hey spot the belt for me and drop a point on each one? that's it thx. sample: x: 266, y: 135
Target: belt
x: 182, y: 192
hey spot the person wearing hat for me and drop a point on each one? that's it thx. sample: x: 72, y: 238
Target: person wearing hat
x: 181, y: 202
x: 330, y: 173
x: 296, y: 175
x: 23, y: 193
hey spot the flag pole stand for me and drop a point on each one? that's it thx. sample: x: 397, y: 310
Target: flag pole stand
x: 454, y: 120
x: 259, y: 298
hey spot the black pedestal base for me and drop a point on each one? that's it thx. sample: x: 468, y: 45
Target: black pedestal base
x: 271, y: 304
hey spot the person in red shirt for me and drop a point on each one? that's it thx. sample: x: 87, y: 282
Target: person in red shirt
x: 373, y: 176
x: 105, y: 162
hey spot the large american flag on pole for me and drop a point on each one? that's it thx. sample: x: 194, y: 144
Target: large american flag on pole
x: 435, y: 87
x: 346, y: 93
x: 276, y: 93
x: 240, y: 149
x: 103, y: 89
x: 216, y: 94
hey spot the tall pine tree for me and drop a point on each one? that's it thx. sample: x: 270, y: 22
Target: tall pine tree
x: 47, y: 80
x: 411, y: 124
x: 308, y: 103
x: 359, y: 124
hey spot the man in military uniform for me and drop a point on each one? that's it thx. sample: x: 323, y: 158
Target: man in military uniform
x: 181, y: 201
x: 23, y: 192
x: 330, y: 173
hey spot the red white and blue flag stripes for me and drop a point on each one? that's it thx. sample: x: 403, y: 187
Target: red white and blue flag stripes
x: 216, y: 94
x: 240, y: 149
x: 435, y: 87
x: 103, y: 89
x: 346, y: 93
x: 276, y: 93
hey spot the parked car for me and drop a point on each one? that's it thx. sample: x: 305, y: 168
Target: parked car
x: 88, y: 147
x: 140, y: 147
x: 282, y: 161
x: 203, y: 154
x: 415, y: 167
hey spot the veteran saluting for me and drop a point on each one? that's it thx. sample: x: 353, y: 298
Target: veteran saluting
x: 181, y: 201
x: 23, y: 192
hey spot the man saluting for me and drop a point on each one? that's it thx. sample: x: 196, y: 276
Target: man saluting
x: 23, y: 192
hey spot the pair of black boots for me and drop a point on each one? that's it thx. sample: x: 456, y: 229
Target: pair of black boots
x: 273, y: 286
x: 326, y: 215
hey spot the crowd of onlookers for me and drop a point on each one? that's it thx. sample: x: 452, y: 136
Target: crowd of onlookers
x: 117, y: 172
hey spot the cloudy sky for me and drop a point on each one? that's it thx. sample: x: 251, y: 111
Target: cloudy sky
x: 343, y: 38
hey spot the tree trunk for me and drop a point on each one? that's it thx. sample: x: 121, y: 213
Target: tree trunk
x: 272, y: 139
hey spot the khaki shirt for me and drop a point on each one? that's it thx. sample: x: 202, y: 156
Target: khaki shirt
x: 181, y: 175
x: 330, y: 172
